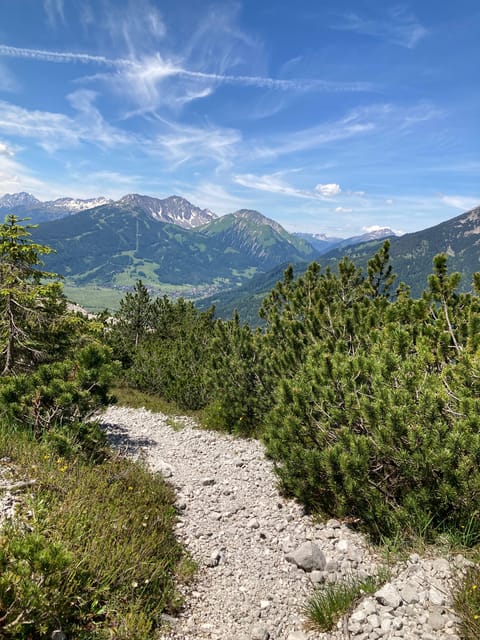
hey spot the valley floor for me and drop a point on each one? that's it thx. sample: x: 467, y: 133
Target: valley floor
x: 240, y: 530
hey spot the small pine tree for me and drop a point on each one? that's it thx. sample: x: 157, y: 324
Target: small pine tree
x: 29, y: 305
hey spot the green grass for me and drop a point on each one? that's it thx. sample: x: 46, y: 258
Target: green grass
x: 94, y: 299
x: 98, y: 558
x: 466, y: 603
x: 330, y: 602
x: 135, y: 399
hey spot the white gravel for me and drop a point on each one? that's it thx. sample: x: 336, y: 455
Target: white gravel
x: 239, y: 529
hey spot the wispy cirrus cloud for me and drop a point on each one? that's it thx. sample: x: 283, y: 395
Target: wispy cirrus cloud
x: 464, y: 203
x: 152, y: 69
x: 275, y: 183
x: 396, y: 25
x: 375, y: 119
x: 5, y: 150
x: 183, y: 143
x: 53, y: 131
x: 55, y: 11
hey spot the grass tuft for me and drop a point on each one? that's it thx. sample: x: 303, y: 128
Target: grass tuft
x: 466, y: 603
x: 330, y: 602
x: 135, y: 399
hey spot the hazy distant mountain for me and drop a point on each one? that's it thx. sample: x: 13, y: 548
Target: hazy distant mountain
x: 322, y: 243
x: 115, y: 244
x: 319, y: 241
x: 16, y: 200
x: 174, y: 209
x: 24, y: 205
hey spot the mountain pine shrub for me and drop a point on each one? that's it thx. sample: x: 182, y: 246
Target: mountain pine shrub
x: 378, y: 421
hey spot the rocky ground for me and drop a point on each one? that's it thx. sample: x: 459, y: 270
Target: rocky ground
x: 259, y: 555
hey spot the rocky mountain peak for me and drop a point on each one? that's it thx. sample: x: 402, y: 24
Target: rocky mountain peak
x: 22, y: 199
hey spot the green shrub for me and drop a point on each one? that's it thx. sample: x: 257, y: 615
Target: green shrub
x: 58, y: 394
x: 377, y: 416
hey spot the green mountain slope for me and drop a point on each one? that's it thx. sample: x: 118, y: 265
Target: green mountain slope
x: 115, y: 245
x: 263, y: 239
x: 411, y: 256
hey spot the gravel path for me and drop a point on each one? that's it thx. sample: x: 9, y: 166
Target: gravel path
x: 241, y: 531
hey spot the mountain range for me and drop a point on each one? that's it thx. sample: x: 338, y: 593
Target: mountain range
x: 176, y: 247
x: 173, y: 209
x: 165, y: 243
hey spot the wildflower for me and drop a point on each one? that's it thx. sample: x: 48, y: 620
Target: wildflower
x: 474, y: 587
x: 134, y: 584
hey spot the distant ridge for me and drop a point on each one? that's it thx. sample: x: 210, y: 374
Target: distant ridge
x: 173, y: 209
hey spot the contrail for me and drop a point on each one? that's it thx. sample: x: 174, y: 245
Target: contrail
x: 299, y: 84
x: 65, y: 57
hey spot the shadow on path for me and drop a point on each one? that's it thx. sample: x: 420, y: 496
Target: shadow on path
x: 120, y: 438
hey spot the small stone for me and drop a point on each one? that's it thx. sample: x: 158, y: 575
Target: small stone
x: 414, y: 558
x: 436, y: 597
x: 214, y: 559
x: 436, y: 621
x: 410, y: 594
x: 259, y: 632
x: 374, y: 620
x: 342, y: 546
x: 333, y: 524
x: 331, y: 565
x: 208, y: 482
x: 386, y: 624
x: 253, y: 523
x: 308, y: 557
x: 265, y: 604
x: 358, y: 616
x: 389, y: 596
x: 317, y: 577
x: 58, y: 635
x: 297, y: 635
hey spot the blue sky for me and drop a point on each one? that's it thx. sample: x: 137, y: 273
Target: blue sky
x: 328, y: 116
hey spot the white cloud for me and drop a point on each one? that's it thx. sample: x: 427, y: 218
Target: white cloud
x: 343, y: 210
x: 54, y: 10
x: 54, y: 131
x: 272, y: 183
x: 7, y: 81
x: 5, y: 150
x: 464, y: 203
x: 215, y: 197
x: 328, y: 190
x: 152, y: 80
x: 185, y: 143
x: 389, y: 201
x: 397, y: 26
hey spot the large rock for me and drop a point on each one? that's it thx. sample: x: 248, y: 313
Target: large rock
x: 308, y: 557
